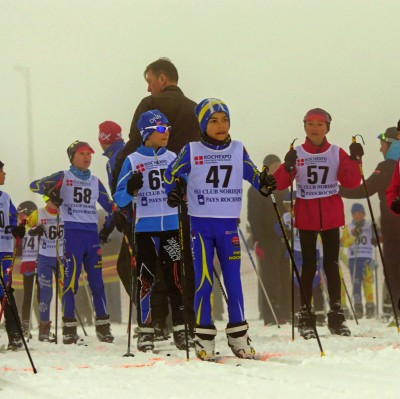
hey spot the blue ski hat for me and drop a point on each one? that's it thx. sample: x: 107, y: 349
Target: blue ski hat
x: 206, y: 108
x: 357, y: 207
x: 148, y: 119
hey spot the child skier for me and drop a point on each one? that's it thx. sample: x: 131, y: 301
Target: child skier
x: 28, y: 263
x: 156, y: 230
x: 75, y: 192
x: 318, y: 167
x: 48, y: 226
x: 358, y: 238
x: 8, y: 231
x: 216, y: 167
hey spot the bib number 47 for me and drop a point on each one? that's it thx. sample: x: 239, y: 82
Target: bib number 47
x: 217, y: 172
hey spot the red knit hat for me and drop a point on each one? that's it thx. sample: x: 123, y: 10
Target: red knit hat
x: 109, y: 132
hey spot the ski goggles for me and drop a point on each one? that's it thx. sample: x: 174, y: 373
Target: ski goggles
x: 384, y: 137
x: 159, y: 128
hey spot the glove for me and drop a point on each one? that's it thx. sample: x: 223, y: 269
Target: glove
x: 37, y: 231
x: 290, y: 159
x: 54, y: 195
x: 356, y: 231
x: 267, y: 183
x: 103, y: 235
x: 395, y: 205
x: 259, y: 251
x: 135, y: 183
x: 120, y: 220
x: 18, y: 231
x: 174, y: 198
x: 356, y: 151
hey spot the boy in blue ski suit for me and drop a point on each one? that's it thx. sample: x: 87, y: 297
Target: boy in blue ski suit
x: 156, y: 230
x: 216, y: 167
x: 8, y: 231
x: 75, y: 192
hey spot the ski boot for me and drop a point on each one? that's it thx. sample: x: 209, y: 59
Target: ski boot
x: 103, y: 330
x: 306, y: 323
x: 337, y: 322
x: 369, y: 310
x: 69, y: 327
x: 204, y: 343
x: 180, y: 338
x: 145, y: 339
x: 44, y: 332
x: 161, y: 332
x: 14, y: 341
x: 25, y: 329
x: 359, y: 310
x: 320, y: 318
x: 239, y: 340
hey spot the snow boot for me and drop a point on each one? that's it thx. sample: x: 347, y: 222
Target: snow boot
x: 359, y: 310
x: 239, y: 341
x: 180, y: 338
x: 25, y: 329
x: 103, y: 330
x: 69, y: 327
x: 320, y: 318
x: 204, y: 342
x: 161, y: 332
x: 145, y: 339
x: 14, y: 341
x: 306, y: 323
x: 337, y: 322
x: 44, y: 332
x: 369, y: 310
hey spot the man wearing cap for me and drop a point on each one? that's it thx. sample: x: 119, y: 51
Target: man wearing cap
x: 378, y: 182
x: 270, y: 250
x: 76, y: 191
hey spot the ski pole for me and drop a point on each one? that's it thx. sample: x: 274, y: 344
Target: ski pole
x: 57, y: 271
x: 133, y: 264
x: 265, y: 168
x: 259, y: 277
x: 11, y: 303
x: 376, y: 234
x: 220, y: 285
x: 80, y: 321
x: 347, y: 293
x: 376, y: 284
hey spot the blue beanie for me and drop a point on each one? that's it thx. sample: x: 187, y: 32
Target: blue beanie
x: 206, y: 108
x: 150, y: 118
x: 357, y: 207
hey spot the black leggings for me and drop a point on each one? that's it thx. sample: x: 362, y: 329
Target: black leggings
x: 330, y: 243
x: 27, y: 301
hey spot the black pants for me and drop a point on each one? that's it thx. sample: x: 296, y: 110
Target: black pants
x: 391, y: 256
x: 26, y: 302
x: 330, y: 243
x: 158, y: 259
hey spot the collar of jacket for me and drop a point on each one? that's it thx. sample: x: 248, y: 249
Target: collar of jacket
x: 215, y: 144
x: 316, y: 149
x: 80, y: 174
x: 172, y: 88
x: 113, y: 148
x: 151, y: 152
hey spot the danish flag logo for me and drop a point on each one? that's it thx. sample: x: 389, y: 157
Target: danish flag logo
x: 300, y: 162
x: 140, y: 167
x: 198, y: 160
x: 69, y: 182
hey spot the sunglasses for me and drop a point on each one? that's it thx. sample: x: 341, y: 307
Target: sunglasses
x: 159, y: 128
x: 388, y: 139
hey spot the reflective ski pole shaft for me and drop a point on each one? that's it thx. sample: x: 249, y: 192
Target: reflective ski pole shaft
x: 258, y: 277
x: 377, y: 236
x: 11, y: 303
x: 295, y: 267
x: 80, y: 321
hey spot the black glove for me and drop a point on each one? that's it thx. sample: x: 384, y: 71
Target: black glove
x: 290, y: 159
x: 135, y: 183
x: 356, y: 231
x: 120, y: 220
x: 267, y: 183
x: 174, y: 197
x: 356, y: 151
x: 395, y: 205
x: 37, y: 231
x: 104, y: 233
x: 54, y: 195
x: 18, y: 231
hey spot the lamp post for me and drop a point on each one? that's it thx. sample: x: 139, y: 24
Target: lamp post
x: 25, y: 72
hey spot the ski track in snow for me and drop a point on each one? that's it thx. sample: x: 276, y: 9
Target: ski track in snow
x: 365, y: 366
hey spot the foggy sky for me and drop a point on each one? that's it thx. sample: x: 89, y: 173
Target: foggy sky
x: 269, y: 60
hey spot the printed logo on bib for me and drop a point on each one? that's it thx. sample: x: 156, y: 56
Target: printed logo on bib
x: 69, y: 182
x: 211, y: 158
x: 140, y: 168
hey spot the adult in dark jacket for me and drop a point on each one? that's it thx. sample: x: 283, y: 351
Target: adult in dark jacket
x: 162, y: 80
x: 378, y: 183
x: 270, y: 250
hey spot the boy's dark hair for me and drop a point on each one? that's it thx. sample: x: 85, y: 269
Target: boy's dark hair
x: 165, y: 66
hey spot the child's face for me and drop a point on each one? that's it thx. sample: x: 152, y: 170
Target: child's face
x: 82, y: 159
x: 22, y: 217
x: 316, y: 131
x: 218, y: 126
x: 2, y: 176
x: 358, y: 216
x: 157, y: 139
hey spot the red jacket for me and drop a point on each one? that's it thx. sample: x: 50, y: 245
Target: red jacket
x: 325, y: 213
x: 393, y: 191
